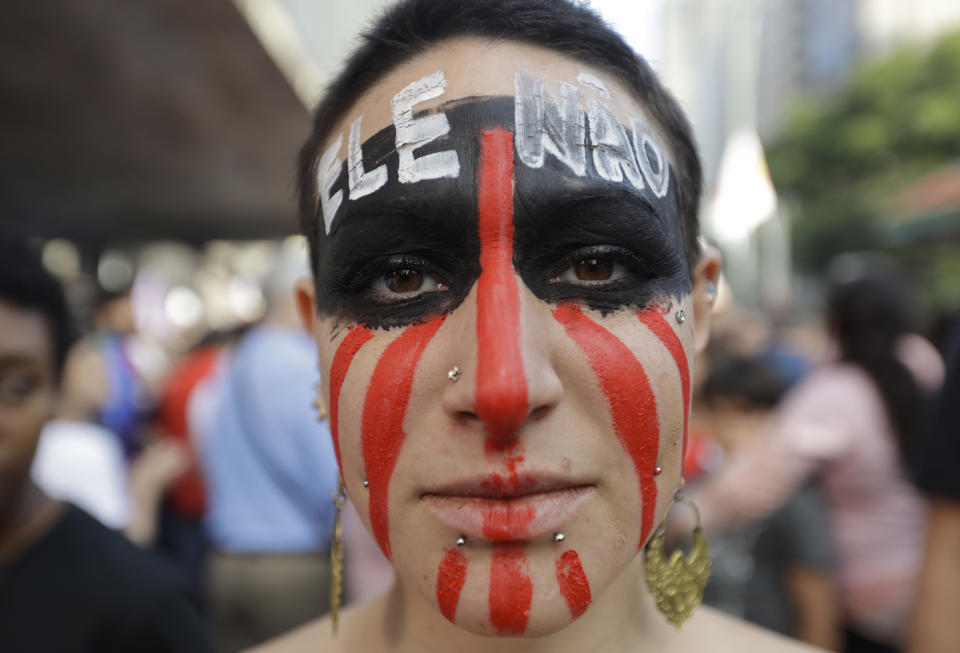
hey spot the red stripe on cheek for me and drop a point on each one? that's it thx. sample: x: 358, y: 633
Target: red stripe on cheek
x: 501, y: 394
x: 573, y: 583
x: 511, y: 592
x: 383, y: 411
x: 632, y: 403
x: 450, y: 579
x: 661, y: 328
x: 357, y: 337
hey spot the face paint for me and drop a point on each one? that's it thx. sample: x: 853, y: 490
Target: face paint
x: 413, y: 133
x: 632, y: 402
x: 382, y: 432
x: 362, y: 182
x: 511, y: 592
x: 450, y: 579
x: 501, y: 394
x: 662, y: 329
x: 573, y: 583
x: 328, y: 174
x: 564, y: 204
x: 507, y: 523
x: 593, y: 82
x: 338, y: 372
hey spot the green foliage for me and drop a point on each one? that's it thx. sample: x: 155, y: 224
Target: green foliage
x: 840, y: 162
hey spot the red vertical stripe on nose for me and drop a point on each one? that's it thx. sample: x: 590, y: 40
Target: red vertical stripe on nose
x: 511, y: 592
x: 501, y: 394
x: 633, y: 405
x: 661, y: 328
x: 573, y: 583
x: 382, y: 433
x: 450, y: 578
x: 357, y: 337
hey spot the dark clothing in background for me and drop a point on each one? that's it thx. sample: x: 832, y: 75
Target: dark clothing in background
x: 939, y: 470
x: 84, y: 588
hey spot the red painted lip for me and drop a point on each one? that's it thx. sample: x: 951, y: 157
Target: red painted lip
x: 538, y: 507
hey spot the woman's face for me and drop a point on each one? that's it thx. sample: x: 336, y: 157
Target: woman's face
x: 487, y: 208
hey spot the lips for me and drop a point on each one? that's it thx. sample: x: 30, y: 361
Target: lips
x: 480, y: 510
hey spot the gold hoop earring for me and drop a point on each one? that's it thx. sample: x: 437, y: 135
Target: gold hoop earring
x: 336, y: 556
x: 677, y: 584
x: 319, y: 403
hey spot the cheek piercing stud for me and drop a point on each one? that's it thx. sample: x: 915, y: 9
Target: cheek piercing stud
x: 657, y: 470
x: 559, y: 537
x: 681, y: 316
x: 461, y: 540
x: 366, y: 483
x: 454, y: 374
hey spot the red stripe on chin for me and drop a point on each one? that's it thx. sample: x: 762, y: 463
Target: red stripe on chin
x: 632, y: 402
x: 357, y: 337
x: 511, y: 592
x: 450, y: 579
x: 501, y: 394
x: 382, y: 432
x: 661, y: 328
x: 573, y: 583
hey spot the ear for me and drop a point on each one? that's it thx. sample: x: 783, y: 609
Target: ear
x: 706, y: 281
x: 306, y: 300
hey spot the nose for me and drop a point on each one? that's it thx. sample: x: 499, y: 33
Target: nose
x: 507, y: 314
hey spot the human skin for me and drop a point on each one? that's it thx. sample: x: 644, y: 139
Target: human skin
x: 594, y: 370
x: 27, y: 399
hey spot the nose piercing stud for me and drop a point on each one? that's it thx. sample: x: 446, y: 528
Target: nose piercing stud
x: 461, y: 540
x: 559, y: 537
x: 681, y: 316
x: 454, y: 374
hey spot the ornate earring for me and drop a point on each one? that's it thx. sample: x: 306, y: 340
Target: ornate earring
x: 681, y: 316
x: 677, y: 584
x: 320, y: 404
x: 336, y: 556
x: 710, y: 290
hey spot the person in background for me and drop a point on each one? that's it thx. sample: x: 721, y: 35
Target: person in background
x: 270, y: 473
x: 850, y: 425
x: 67, y: 583
x: 778, y: 572
x: 936, y: 628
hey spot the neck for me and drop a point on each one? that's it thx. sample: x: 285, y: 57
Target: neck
x: 624, y: 618
x: 26, y: 520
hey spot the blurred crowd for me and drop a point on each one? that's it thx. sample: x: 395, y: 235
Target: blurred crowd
x: 817, y: 449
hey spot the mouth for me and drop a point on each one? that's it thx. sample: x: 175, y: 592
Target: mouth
x: 480, y: 510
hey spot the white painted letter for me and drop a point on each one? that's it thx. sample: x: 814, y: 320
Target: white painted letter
x: 656, y: 171
x: 361, y: 182
x: 544, y: 126
x: 612, y: 152
x: 327, y: 175
x: 413, y: 133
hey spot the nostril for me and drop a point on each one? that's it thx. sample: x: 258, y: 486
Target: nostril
x: 503, y: 411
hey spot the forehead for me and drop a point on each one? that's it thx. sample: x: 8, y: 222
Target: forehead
x: 23, y: 334
x: 473, y: 67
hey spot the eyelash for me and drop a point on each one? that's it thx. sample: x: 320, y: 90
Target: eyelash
x: 375, y: 278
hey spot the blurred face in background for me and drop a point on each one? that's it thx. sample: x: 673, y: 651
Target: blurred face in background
x: 27, y: 395
x: 551, y: 288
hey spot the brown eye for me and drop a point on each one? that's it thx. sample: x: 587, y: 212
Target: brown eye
x: 593, y: 269
x: 404, y: 280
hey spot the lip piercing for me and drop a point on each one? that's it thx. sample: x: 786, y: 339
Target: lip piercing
x: 657, y: 470
x: 681, y: 316
x: 454, y: 374
x: 366, y: 483
x: 559, y: 537
x: 461, y: 540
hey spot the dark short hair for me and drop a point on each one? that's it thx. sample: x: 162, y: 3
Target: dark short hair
x: 751, y: 380
x: 26, y: 283
x: 413, y: 26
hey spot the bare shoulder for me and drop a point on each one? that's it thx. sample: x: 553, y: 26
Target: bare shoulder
x: 728, y: 634
x: 317, y: 636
